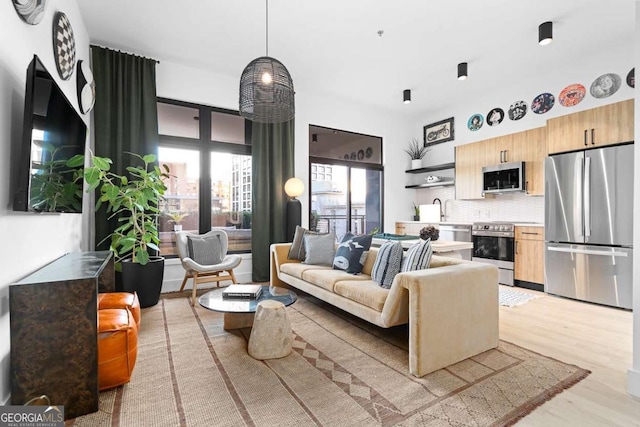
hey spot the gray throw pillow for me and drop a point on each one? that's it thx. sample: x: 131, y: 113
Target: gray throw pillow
x: 387, y: 263
x: 320, y: 249
x: 418, y: 257
x: 297, y: 250
x: 205, y: 250
x: 352, y: 253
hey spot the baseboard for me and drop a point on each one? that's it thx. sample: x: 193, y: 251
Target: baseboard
x: 173, y: 285
x: 633, y: 382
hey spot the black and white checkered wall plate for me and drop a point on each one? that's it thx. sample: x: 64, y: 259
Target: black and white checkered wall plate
x: 64, y: 46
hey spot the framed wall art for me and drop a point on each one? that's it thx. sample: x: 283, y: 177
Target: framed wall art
x: 438, y: 132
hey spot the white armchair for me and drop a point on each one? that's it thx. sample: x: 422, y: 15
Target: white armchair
x: 201, y: 273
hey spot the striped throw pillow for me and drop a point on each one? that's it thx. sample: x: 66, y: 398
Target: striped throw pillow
x: 297, y: 250
x: 387, y: 264
x: 418, y: 257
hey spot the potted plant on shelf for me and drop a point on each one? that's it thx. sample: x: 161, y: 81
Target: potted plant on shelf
x: 176, y: 218
x: 416, y: 151
x: 416, y: 212
x: 133, y: 198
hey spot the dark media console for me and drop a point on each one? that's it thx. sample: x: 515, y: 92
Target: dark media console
x: 54, y: 331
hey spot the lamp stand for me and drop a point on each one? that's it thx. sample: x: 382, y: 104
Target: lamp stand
x: 294, y: 217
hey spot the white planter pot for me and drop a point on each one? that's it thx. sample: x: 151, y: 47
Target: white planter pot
x: 416, y: 163
x: 177, y: 227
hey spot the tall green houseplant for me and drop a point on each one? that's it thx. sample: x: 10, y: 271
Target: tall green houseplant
x: 134, y: 200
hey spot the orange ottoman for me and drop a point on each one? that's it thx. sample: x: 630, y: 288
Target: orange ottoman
x: 121, y: 300
x: 117, y: 347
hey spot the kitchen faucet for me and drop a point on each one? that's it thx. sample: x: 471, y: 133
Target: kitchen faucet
x: 440, y: 203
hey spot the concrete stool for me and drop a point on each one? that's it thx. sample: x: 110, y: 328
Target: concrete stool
x: 271, y: 334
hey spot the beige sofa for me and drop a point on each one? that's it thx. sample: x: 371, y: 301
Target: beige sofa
x: 451, y: 308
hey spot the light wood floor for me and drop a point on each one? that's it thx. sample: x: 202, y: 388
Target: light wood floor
x: 587, y: 335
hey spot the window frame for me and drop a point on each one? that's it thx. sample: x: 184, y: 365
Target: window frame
x: 205, y: 147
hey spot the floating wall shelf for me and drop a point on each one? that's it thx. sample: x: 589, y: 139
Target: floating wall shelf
x: 435, y: 168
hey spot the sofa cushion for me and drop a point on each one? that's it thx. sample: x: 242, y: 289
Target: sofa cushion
x: 365, y: 292
x: 320, y: 249
x: 352, y: 253
x: 296, y: 269
x: 297, y: 249
x: 418, y: 257
x: 326, y: 279
x: 387, y: 264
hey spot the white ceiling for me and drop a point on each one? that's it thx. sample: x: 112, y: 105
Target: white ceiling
x: 333, y: 46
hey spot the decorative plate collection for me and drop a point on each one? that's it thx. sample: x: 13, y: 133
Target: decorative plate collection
x: 359, y: 155
x: 602, y: 87
x: 64, y: 49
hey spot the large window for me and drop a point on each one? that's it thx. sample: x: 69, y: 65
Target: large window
x: 346, y: 181
x: 209, y: 157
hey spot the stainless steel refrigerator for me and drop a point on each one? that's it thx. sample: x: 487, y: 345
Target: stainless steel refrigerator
x: 589, y: 225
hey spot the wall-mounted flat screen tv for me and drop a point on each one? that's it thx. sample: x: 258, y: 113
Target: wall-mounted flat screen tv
x: 53, y: 146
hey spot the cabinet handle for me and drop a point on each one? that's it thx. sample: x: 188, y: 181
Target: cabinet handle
x: 585, y: 137
x: 526, y: 187
x: 593, y: 137
x: 505, y: 155
x: 529, y: 232
x: 517, y: 248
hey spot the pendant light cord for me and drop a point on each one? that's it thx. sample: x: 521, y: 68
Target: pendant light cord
x: 267, y: 27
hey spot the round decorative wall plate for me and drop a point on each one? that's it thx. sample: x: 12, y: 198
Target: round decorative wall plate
x: 631, y: 78
x: 543, y: 103
x: 572, y: 95
x: 605, y: 85
x: 368, y: 152
x: 64, y: 46
x: 475, y: 122
x: 346, y: 157
x: 86, y: 87
x: 495, y: 117
x: 517, y: 110
x: 31, y: 11
x: 360, y: 154
x: 353, y: 156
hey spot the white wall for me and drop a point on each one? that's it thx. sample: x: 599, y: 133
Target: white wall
x: 29, y: 240
x: 633, y: 384
x: 176, y: 81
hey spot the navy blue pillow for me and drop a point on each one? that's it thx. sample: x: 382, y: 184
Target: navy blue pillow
x: 352, y: 253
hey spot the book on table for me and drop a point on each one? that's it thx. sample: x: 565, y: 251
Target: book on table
x: 242, y: 291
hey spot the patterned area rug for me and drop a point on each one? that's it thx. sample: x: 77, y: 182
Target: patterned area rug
x: 342, y: 372
x: 511, y: 298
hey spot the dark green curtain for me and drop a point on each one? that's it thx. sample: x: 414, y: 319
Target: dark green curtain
x: 272, y: 152
x: 125, y: 115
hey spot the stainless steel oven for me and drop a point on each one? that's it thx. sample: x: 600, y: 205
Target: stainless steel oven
x: 494, y: 243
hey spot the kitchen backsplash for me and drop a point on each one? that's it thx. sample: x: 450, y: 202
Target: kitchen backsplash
x: 512, y: 207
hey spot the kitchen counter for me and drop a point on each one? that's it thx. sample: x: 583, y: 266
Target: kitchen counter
x: 440, y: 247
x: 528, y: 224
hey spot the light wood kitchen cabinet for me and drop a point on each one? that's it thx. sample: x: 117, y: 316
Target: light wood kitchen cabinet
x: 529, y: 259
x: 469, y: 163
x: 529, y: 146
x: 597, y: 127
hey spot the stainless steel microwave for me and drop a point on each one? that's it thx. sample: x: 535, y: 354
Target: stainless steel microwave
x: 503, y: 178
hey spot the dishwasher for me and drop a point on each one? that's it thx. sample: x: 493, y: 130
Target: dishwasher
x: 459, y: 233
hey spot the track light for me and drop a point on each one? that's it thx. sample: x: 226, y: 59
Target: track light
x: 314, y: 137
x: 406, y: 96
x: 545, y: 33
x: 462, y: 71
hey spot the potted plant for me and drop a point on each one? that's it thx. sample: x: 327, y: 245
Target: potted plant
x: 416, y: 212
x: 176, y: 218
x: 134, y: 200
x: 416, y: 151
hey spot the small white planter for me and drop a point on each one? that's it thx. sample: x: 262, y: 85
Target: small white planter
x: 416, y: 163
x: 177, y: 227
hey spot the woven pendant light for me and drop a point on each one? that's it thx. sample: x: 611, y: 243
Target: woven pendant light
x: 266, y: 89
